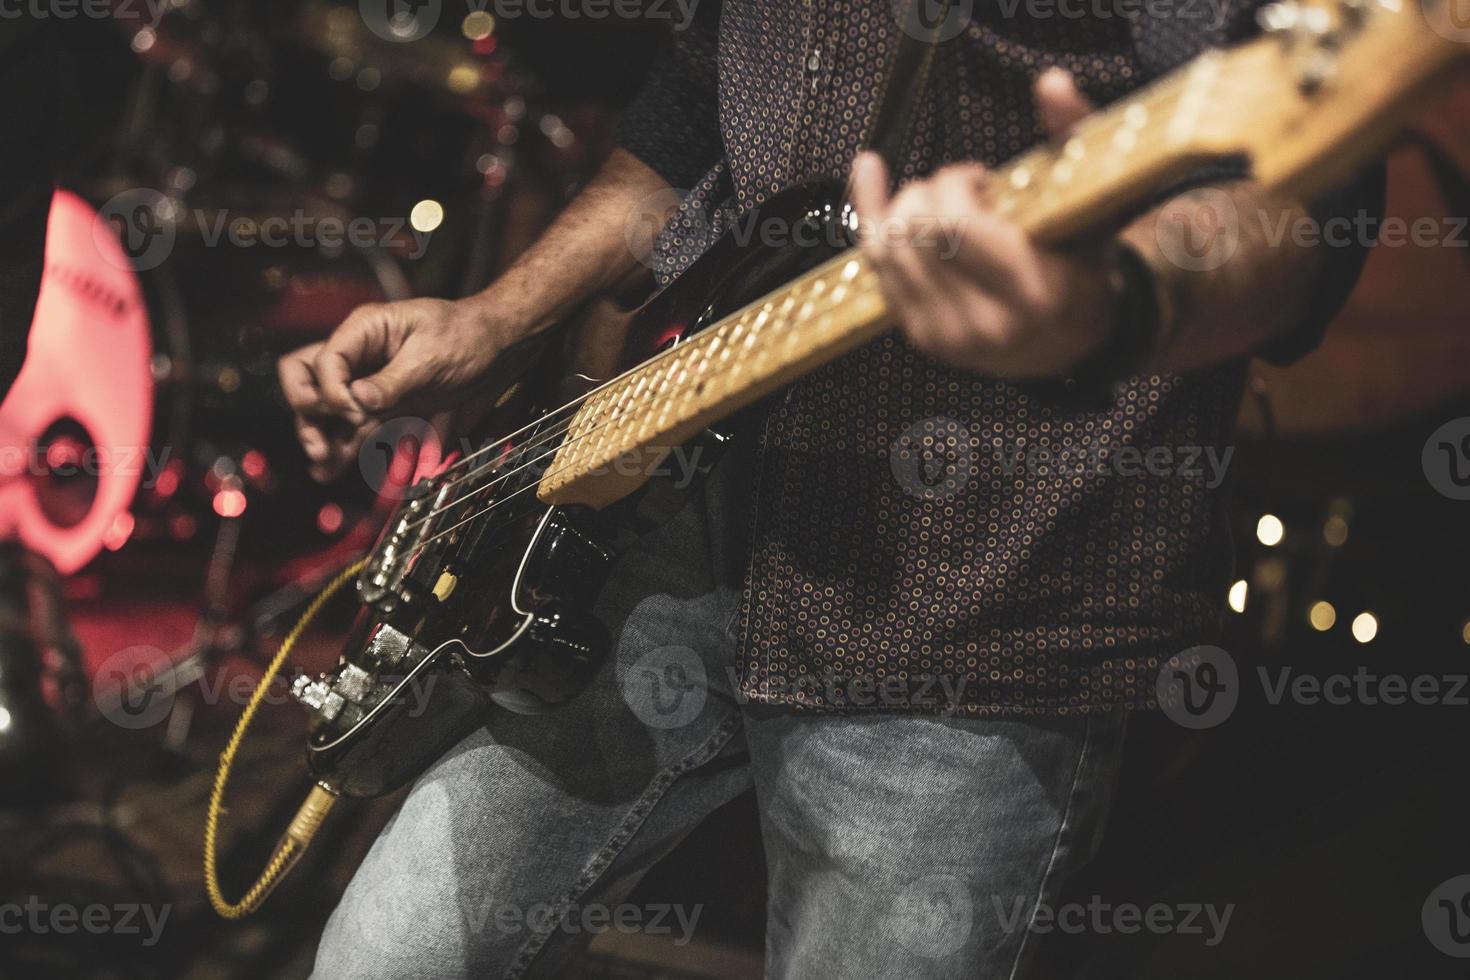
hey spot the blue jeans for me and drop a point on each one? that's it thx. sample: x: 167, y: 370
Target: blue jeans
x: 898, y: 844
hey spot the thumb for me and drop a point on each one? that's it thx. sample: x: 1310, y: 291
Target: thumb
x: 1059, y: 102
x: 404, y: 374
x: 869, y: 192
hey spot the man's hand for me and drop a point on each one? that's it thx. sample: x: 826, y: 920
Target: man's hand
x: 424, y: 355
x: 969, y: 286
x: 417, y: 356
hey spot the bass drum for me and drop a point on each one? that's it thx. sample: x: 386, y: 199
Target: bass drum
x: 74, y: 426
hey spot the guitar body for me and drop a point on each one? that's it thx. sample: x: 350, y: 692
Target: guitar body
x: 463, y: 609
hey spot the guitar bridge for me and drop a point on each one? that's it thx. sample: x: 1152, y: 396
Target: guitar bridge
x: 342, y: 697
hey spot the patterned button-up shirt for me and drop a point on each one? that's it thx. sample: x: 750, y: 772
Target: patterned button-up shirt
x: 922, y: 537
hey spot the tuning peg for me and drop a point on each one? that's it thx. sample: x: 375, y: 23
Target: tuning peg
x: 1278, y: 18
x: 1291, y: 20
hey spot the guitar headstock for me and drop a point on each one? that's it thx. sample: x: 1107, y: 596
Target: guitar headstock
x: 1315, y: 97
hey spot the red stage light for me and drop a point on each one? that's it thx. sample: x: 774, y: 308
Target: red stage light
x: 168, y: 480
x: 329, y: 519
x: 254, y: 464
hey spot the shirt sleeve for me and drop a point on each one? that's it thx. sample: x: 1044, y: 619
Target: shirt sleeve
x: 673, y: 122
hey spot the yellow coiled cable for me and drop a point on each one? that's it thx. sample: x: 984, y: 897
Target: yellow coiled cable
x: 313, y: 810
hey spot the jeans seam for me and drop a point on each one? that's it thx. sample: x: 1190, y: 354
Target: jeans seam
x: 747, y: 595
x: 619, y: 839
x: 1063, y: 827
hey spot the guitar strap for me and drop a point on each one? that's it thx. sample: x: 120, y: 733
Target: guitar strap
x: 922, y: 26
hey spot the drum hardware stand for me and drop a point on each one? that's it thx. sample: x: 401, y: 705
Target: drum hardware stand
x: 32, y: 743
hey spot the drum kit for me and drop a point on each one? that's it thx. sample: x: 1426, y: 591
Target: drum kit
x: 274, y: 168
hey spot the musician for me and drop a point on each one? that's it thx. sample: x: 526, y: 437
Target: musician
x: 926, y: 685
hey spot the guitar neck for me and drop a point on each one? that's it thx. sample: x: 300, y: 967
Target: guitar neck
x: 1253, y: 100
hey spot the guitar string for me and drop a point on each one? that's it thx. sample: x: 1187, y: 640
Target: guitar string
x: 540, y: 440
x: 555, y: 432
x: 635, y: 369
x: 1099, y: 126
x: 521, y: 466
x: 1165, y: 91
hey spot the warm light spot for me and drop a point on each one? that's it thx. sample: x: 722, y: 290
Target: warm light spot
x: 329, y: 519
x: 477, y: 25
x: 254, y: 464
x: 1365, y: 627
x: 229, y: 502
x: 1335, y: 531
x: 1237, y: 596
x: 183, y: 526
x: 426, y: 215
x: 118, y: 531
x: 168, y: 480
x: 1322, y: 616
x: 1465, y: 632
x: 1270, y: 530
x: 462, y: 79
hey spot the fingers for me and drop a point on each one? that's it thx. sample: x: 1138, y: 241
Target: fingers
x: 299, y: 385
x: 909, y: 264
x: 363, y: 343
x: 298, y: 380
x: 1059, y: 102
x: 328, y: 429
x: 395, y: 381
x: 869, y: 191
x: 338, y: 452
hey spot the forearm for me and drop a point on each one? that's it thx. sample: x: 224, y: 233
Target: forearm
x: 1248, y: 287
x: 597, y: 240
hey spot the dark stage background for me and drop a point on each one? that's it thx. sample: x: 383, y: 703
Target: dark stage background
x: 139, y: 604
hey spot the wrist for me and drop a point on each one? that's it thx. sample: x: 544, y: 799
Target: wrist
x: 498, y: 316
x: 1140, y: 324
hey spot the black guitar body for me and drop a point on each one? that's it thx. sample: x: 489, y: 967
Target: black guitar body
x: 465, y: 609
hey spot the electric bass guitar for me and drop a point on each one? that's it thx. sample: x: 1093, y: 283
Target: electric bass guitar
x: 479, y: 591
